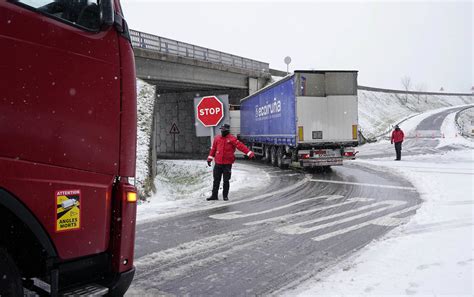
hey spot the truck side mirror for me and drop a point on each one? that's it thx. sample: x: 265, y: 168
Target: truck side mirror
x: 106, y: 14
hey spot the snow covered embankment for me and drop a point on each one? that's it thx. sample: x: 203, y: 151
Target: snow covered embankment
x: 465, y: 122
x: 145, y: 103
x: 379, y: 111
x: 183, y: 186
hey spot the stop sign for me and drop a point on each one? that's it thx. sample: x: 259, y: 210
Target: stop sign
x: 210, y: 111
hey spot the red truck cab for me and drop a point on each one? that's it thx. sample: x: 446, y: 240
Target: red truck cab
x: 67, y: 147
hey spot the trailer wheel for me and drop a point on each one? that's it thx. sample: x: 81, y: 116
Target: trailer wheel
x: 267, y: 157
x: 252, y: 148
x: 280, y: 154
x: 10, y: 278
x: 274, y: 156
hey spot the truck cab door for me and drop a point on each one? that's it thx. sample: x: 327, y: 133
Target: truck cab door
x: 60, y: 112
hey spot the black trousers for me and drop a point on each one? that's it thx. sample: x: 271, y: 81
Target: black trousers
x: 398, y: 150
x: 219, y: 171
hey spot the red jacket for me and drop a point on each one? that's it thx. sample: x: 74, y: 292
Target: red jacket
x: 397, y: 136
x: 223, y: 149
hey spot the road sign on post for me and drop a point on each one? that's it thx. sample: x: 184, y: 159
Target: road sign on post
x: 203, y: 131
x: 209, y: 112
x: 174, y: 130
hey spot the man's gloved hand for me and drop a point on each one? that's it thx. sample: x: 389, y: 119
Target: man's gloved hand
x: 391, y: 142
x: 251, y: 155
x: 209, y: 161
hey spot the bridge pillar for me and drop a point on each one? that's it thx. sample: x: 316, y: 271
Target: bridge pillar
x: 178, y: 108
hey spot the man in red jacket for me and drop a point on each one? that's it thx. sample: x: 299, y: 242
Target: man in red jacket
x: 397, y: 138
x: 222, y: 152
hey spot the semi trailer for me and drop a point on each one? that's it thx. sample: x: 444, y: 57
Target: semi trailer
x: 308, y: 119
x: 67, y: 148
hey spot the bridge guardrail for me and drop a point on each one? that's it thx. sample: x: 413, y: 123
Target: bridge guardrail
x: 182, y: 49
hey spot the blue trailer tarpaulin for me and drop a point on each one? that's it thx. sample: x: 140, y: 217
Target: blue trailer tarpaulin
x: 275, y: 107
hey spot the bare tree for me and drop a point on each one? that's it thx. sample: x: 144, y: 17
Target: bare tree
x: 421, y: 87
x: 406, y: 83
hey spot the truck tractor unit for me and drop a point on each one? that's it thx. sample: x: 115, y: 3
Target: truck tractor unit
x: 67, y: 148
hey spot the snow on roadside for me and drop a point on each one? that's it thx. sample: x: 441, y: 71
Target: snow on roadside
x: 451, y: 134
x: 184, y: 185
x: 466, y: 122
x: 145, y: 102
x: 433, y: 253
x: 378, y: 111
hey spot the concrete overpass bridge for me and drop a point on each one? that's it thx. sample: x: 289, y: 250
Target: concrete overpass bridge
x: 175, y: 66
x: 180, y: 72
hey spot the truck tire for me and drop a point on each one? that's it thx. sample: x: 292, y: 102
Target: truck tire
x: 10, y: 280
x: 280, y: 154
x: 267, y: 158
x: 274, y: 156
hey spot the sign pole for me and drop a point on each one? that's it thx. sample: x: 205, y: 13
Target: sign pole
x: 174, y: 145
x: 212, y: 135
x: 174, y: 130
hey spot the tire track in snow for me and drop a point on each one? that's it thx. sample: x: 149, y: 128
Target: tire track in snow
x: 180, y: 261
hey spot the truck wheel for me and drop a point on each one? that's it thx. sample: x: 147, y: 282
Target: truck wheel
x: 280, y: 158
x: 267, y: 157
x: 10, y: 279
x: 274, y: 156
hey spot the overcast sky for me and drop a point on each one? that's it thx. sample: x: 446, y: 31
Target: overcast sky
x: 431, y: 42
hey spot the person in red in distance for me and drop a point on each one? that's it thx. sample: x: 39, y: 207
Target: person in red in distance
x: 222, y: 152
x: 397, y: 138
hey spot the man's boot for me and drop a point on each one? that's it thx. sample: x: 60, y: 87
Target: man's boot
x: 212, y: 198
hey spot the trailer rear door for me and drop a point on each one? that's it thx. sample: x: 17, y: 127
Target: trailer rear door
x: 327, y: 107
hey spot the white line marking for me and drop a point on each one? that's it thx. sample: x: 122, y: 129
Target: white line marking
x: 218, y: 205
x: 238, y: 214
x: 387, y: 220
x: 300, y: 229
x: 288, y: 216
x: 363, y: 184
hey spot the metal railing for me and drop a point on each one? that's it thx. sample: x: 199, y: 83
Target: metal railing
x: 182, y: 49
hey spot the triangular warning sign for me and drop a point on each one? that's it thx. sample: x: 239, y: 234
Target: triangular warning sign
x: 174, y: 129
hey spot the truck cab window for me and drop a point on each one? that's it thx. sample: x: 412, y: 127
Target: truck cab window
x: 83, y: 13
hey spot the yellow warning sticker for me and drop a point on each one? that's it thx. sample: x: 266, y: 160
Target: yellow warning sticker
x: 68, y: 210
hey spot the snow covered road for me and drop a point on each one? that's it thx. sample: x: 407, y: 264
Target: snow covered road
x: 290, y: 230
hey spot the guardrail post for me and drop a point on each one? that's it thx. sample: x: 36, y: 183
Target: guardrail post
x: 141, y: 40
